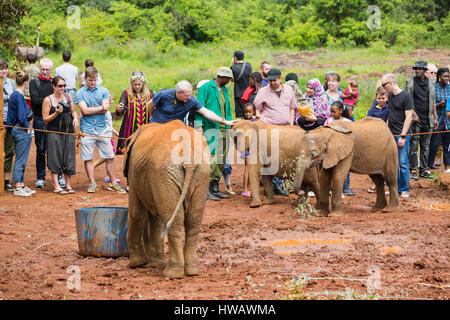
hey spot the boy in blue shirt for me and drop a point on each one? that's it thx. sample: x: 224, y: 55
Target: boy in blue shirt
x: 93, y: 101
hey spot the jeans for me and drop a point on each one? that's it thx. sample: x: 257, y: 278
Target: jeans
x: 22, y: 147
x: 403, y: 165
x: 9, y: 152
x: 346, y: 182
x: 40, y: 139
x: 436, y: 139
x: 424, y: 141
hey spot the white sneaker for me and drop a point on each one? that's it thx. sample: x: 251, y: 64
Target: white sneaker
x: 311, y: 194
x: 21, y: 192
x: 343, y: 197
x: 404, y: 194
x: 29, y: 190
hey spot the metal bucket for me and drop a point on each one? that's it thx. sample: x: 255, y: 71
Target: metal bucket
x: 102, y: 231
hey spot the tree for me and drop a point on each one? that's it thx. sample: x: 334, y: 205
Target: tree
x: 11, y: 13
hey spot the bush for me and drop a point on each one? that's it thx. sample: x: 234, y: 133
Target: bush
x: 304, y: 35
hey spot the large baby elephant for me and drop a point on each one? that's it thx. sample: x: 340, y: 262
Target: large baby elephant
x: 167, y: 166
x: 274, y: 151
x: 365, y: 147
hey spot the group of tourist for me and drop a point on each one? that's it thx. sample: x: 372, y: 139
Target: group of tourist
x: 50, y: 104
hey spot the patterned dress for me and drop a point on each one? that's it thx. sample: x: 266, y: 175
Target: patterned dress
x: 136, y: 115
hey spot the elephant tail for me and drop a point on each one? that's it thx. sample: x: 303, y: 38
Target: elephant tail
x: 188, y: 174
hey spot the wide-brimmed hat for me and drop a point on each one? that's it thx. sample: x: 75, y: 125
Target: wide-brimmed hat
x: 225, y: 72
x: 420, y: 64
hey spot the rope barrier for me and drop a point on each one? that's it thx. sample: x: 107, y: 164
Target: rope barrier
x: 80, y: 134
x: 88, y: 135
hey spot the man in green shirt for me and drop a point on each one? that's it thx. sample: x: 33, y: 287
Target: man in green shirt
x: 213, y: 95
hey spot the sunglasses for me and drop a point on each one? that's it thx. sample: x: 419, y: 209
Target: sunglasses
x: 137, y: 73
x: 433, y: 72
x: 383, y: 84
x: 61, y: 85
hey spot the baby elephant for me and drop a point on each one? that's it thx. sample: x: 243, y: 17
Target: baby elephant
x: 168, y: 186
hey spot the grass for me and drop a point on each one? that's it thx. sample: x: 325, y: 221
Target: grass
x: 116, y: 64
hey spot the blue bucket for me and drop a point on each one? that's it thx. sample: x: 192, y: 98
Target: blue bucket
x: 102, y: 231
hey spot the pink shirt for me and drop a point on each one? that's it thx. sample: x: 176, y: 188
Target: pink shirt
x: 274, y: 109
x: 350, y: 101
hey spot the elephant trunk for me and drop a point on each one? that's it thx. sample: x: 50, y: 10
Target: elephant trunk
x: 301, y: 168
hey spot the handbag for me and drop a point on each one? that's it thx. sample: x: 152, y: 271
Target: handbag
x: 30, y: 115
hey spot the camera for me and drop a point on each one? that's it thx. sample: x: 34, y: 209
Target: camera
x: 64, y: 105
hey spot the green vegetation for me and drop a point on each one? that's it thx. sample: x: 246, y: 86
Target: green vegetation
x: 189, y: 39
x: 299, y: 24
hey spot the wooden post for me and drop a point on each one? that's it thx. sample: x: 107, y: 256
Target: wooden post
x: 2, y: 140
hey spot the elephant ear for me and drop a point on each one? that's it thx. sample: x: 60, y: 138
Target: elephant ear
x: 129, y: 144
x: 340, y: 146
x: 244, y: 130
x: 339, y: 127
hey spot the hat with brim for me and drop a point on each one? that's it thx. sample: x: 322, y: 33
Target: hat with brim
x: 420, y: 64
x: 273, y: 74
x: 225, y: 72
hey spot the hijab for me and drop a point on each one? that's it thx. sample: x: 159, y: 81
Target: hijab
x: 319, y: 100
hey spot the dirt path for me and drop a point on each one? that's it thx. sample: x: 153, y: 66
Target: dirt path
x: 243, y: 253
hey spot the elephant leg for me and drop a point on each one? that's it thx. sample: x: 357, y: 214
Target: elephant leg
x: 324, y: 192
x: 312, y: 177
x: 268, y: 189
x: 192, y: 227
x: 137, y: 220
x: 254, y: 185
x: 381, y: 198
x: 155, y: 243
x: 338, y: 177
x: 392, y: 182
x: 175, y: 268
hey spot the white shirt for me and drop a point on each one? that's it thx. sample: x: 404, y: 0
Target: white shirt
x: 69, y: 73
x: 99, y: 79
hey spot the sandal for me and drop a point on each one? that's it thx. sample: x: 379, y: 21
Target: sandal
x: 70, y: 190
x: 60, y: 192
x: 371, y: 190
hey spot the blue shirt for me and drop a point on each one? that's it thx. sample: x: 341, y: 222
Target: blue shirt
x: 95, y: 123
x: 17, y: 111
x: 168, y: 107
x: 379, y: 113
x: 442, y: 94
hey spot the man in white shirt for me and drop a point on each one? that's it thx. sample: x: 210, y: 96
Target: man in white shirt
x: 69, y: 73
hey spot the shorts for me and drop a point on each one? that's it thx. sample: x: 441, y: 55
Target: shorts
x: 104, y: 146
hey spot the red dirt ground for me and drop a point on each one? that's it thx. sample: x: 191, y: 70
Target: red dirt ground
x: 243, y: 253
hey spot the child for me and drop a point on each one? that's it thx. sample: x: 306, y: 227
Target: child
x: 340, y: 112
x: 249, y: 114
x: 380, y: 110
x: 350, y: 96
